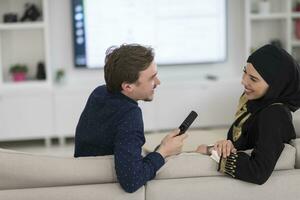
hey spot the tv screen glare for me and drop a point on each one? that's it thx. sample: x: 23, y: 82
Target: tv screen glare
x: 181, y: 32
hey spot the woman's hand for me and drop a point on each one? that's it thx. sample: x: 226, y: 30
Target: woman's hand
x: 224, y: 147
x: 202, y: 149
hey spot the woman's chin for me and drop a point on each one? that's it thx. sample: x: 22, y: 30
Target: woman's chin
x: 252, y: 97
x: 249, y: 96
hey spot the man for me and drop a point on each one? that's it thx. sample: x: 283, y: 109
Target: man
x: 112, y: 124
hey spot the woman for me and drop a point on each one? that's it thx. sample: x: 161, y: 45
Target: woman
x: 263, y: 120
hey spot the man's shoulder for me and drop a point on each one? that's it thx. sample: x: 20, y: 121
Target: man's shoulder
x: 101, y: 93
x: 101, y: 89
x: 118, y: 101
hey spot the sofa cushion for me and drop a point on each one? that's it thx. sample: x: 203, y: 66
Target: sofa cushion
x: 24, y: 170
x: 195, y: 164
x: 282, y: 184
x: 108, y: 191
x: 188, y: 165
x: 296, y: 144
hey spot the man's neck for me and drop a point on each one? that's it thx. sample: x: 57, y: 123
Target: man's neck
x: 128, y: 95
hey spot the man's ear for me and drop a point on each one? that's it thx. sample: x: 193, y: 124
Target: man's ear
x: 127, y: 87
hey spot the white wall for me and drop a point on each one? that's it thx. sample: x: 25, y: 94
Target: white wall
x: 62, y: 53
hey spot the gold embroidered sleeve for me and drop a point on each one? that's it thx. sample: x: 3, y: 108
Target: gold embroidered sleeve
x: 228, y: 165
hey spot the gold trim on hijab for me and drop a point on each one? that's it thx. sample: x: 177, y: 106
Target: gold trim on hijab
x: 242, y: 109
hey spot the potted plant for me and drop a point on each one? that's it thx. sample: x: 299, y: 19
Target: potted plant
x: 59, y: 76
x: 297, y: 6
x: 18, y: 72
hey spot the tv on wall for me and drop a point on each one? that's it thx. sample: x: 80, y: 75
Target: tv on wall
x: 181, y: 32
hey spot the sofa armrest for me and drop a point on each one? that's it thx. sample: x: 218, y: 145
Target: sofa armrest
x: 296, y: 144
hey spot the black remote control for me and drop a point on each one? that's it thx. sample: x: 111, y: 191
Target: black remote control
x: 187, y: 122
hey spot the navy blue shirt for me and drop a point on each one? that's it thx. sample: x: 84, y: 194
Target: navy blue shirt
x: 112, y: 124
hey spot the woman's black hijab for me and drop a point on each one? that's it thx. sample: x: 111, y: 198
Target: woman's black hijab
x: 282, y: 73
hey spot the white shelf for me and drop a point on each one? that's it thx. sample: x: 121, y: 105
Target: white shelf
x: 28, y: 84
x: 24, y: 42
x: 271, y: 16
x: 278, y: 25
x: 22, y: 26
x: 295, y: 15
x: 28, y: 103
x: 296, y: 43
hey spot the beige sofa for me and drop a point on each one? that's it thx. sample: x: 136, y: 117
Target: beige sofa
x: 186, y: 176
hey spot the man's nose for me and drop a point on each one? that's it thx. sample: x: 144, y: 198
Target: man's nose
x: 157, y: 81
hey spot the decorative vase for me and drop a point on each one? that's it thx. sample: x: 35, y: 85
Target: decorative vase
x: 297, y: 29
x: 297, y: 7
x: 297, y: 21
x: 41, y: 71
x: 19, y: 76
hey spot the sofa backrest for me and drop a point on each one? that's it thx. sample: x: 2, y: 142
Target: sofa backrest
x: 24, y: 170
x: 296, y: 144
x: 296, y: 122
x: 195, y: 164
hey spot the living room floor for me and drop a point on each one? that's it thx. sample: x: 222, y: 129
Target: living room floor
x: 196, y: 137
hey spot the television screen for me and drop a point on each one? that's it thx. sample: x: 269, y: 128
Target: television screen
x: 181, y: 32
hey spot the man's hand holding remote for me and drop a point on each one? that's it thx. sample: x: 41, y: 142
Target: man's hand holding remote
x: 172, y: 144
